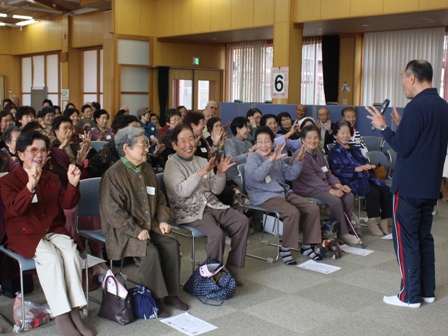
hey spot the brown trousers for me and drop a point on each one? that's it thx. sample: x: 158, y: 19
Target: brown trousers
x: 292, y: 208
x: 159, y: 270
x: 235, y: 224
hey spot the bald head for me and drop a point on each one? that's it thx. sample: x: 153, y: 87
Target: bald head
x: 323, y: 114
x: 300, y: 111
x: 208, y: 113
x: 212, y: 105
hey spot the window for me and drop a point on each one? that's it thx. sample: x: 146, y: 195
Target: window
x: 249, y: 75
x: 93, y: 76
x: 312, y: 87
x: 40, y: 72
x: 444, y: 85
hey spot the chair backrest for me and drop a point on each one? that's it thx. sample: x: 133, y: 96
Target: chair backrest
x: 393, y: 160
x: 98, y: 144
x: 373, y: 143
x: 241, y: 171
x: 162, y: 186
x: 377, y: 157
x: 89, y: 203
x: 330, y: 146
x: 385, y: 149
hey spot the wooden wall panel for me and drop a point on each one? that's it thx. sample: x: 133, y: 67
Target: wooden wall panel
x: 283, y: 10
x: 40, y: 37
x: 148, y: 18
x: 200, y: 18
x: 127, y: 16
x: 10, y: 66
x: 346, y: 66
x: 220, y: 15
x: 400, y: 6
x: 242, y: 14
x: 281, y: 41
x: 87, y: 30
x: 182, y: 17
x: 335, y: 9
x: 433, y: 4
x: 305, y: 10
x: 165, y: 14
x: 5, y: 37
x: 264, y: 13
x: 366, y: 7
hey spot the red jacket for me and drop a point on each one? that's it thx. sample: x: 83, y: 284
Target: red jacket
x: 27, y: 222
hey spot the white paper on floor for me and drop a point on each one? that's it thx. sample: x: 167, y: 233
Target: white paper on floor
x: 387, y: 237
x: 355, y: 250
x: 188, y: 324
x: 319, y: 267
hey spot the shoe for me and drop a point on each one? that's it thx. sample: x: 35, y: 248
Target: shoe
x: 163, y: 313
x: 349, y: 239
x: 235, y: 273
x: 175, y: 302
x: 395, y: 301
x: 372, y: 224
x: 431, y: 299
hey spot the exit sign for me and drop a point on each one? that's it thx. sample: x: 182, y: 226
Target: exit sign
x: 196, y: 60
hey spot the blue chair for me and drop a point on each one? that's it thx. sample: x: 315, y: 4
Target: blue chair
x: 191, y: 232
x: 97, y: 145
x: 277, y: 215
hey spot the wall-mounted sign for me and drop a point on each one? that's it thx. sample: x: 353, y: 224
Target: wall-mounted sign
x: 279, y: 82
x: 196, y: 60
x: 65, y: 94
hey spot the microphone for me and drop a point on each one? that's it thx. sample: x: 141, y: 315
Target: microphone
x: 383, y: 109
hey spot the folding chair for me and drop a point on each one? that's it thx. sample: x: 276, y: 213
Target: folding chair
x: 379, y: 158
x: 373, y: 143
x: 97, y: 145
x: 277, y: 215
x: 88, y: 205
x: 393, y: 161
x: 25, y: 264
x: 192, y: 233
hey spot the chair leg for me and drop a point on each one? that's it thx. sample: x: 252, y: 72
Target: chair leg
x: 193, y: 255
x: 86, y: 312
x: 22, y: 295
x: 267, y: 242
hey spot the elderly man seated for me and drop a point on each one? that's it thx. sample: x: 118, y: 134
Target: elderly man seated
x: 135, y: 218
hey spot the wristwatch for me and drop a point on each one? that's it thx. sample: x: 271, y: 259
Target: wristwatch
x: 383, y: 127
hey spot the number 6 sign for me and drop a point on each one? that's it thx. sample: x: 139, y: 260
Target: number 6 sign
x: 279, y: 82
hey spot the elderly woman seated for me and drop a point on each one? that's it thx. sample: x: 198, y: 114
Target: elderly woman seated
x: 34, y: 200
x: 135, y: 217
x: 352, y: 168
x: 265, y: 176
x: 191, y: 185
x: 316, y: 180
x: 238, y: 147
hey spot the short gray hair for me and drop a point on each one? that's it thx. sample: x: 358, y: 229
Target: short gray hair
x: 127, y: 136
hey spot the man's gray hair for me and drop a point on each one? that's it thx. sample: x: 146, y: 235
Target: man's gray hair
x: 127, y: 136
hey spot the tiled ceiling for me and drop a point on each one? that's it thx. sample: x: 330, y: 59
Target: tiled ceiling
x: 45, y: 9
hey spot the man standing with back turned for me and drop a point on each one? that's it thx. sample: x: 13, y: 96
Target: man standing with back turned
x: 420, y: 142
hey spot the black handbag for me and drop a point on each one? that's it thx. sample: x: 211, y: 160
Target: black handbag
x: 115, y: 308
x: 219, y: 286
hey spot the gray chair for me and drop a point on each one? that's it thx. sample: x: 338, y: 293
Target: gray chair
x: 25, y: 264
x: 379, y: 158
x: 182, y: 230
x: 97, y: 145
x: 373, y: 143
x: 393, y: 161
x: 330, y: 146
x: 250, y: 206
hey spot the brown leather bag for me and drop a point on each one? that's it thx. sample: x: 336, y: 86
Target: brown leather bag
x: 379, y: 172
x: 114, y: 307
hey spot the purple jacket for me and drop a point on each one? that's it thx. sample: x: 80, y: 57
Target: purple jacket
x: 313, y: 175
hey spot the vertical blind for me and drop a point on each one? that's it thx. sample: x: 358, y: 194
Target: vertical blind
x: 249, y: 74
x: 386, y: 54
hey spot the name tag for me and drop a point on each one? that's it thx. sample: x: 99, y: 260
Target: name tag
x: 151, y: 190
x: 203, y: 150
x: 108, y: 137
x: 324, y: 169
x: 267, y: 179
x: 34, y: 199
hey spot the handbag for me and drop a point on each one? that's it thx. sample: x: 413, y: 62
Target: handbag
x: 215, y: 283
x: 379, y: 172
x: 143, y: 304
x: 114, y: 307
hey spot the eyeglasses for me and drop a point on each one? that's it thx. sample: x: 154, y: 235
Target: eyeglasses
x: 264, y: 142
x: 145, y: 146
x: 35, y: 151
